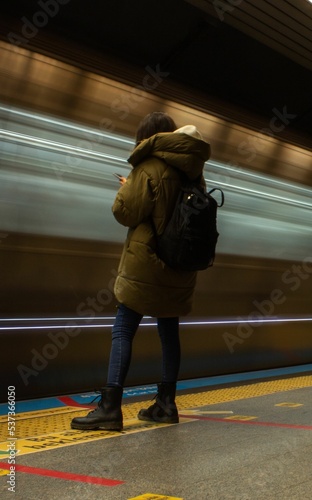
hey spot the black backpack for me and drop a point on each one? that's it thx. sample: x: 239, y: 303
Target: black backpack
x: 189, y: 240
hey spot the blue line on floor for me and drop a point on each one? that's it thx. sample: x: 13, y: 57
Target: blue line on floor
x: 242, y: 377
x: 86, y: 398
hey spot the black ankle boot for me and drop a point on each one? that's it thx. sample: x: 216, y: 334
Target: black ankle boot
x: 164, y: 410
x: 107, y: 415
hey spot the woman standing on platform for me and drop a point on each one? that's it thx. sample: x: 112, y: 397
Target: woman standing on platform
x: 145, y: 285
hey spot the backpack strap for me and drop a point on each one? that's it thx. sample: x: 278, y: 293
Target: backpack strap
x: 222, y: 195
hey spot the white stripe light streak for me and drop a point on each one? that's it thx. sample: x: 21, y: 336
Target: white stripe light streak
x: 183, y: 323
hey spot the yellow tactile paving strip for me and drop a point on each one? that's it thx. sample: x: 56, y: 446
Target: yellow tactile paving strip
x: 47, y: 429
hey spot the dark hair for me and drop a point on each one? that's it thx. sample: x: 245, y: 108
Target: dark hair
x: 152, y: 124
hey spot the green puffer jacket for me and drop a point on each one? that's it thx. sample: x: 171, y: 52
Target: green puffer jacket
x: 144, y: 283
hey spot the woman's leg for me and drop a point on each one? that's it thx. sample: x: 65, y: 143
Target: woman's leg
x: 164, y: 410
x: 126, y: 324
x: 168, y: 330
x: 108, y: 414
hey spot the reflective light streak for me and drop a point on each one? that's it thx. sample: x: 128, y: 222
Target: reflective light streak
x: 182, y: 323
x: 261, y: 194
x: 233, y: 170
x: 67, y: 125
x: 87, y: 153
x: 58, y: 146
x: 84, y: 318
x: 82, y: 152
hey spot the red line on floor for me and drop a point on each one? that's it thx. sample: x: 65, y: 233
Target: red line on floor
x: 248, y: 422
x: 62, y: 475
x: 66, y: 400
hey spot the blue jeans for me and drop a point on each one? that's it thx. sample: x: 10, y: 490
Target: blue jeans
x: 126, y: 324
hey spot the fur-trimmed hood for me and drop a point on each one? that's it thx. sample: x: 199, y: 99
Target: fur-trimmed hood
x: 183, y: 149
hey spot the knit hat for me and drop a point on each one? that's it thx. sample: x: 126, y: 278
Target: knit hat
x: 189, y: 130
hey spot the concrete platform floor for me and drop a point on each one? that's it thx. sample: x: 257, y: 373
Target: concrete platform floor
x: 243, y: 441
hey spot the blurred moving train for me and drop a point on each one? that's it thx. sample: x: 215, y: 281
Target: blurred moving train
x: 60, y: 245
